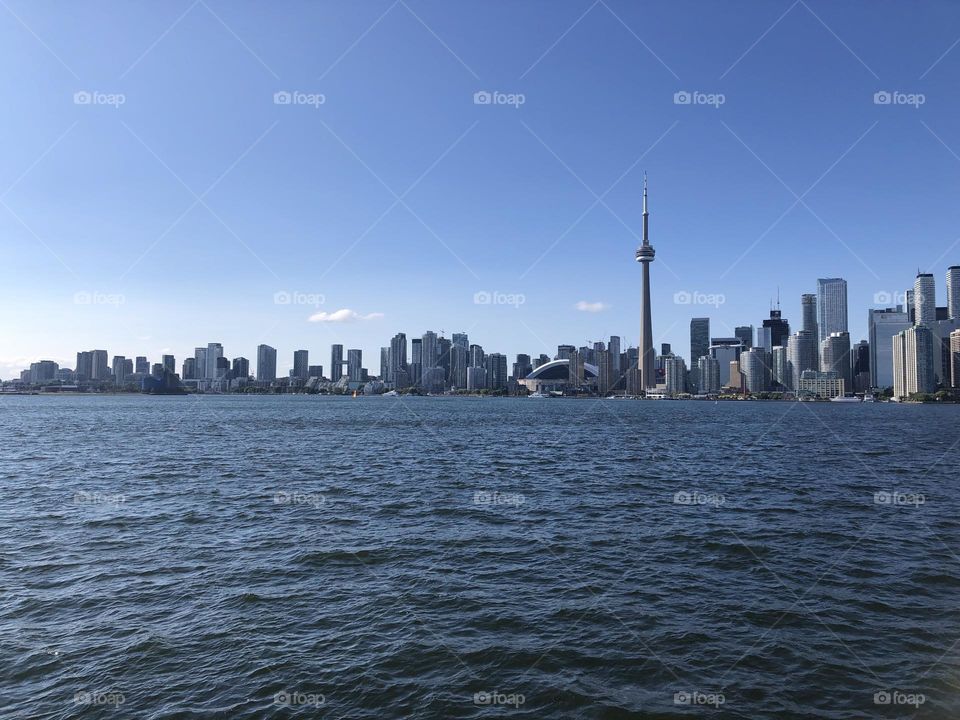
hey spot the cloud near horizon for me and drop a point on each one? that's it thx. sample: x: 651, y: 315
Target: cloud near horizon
x: 592, y: 307
x: 343, y: 315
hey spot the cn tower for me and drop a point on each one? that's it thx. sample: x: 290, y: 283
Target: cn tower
x: 645, y: 255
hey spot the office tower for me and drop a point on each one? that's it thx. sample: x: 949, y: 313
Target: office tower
x: 142, y: 366
x: 461, y: 340
x: 882, y: 326
x: 708, y: 374
x: 744, y: 334
x: 725, y: 351
x: 604, y: 372
x: 755, y: 369
x: 645, y: 255
x: 953, y: 292
x: 336, y: 362
x: 223, y: 367
x: 99, y: 367
x: 119, y: 368
x: 924, y: 299
x: 565, y: 352
x: 214, y: 351
x: 523, y: 367
x: 200, y: 358
x: 301, y: 364
x: 241, y: 368
x: 169, y: 363
x: 665, y: 349
x: 429, y: 353
x: 801, y: 355
x: 416, y: 361
x: 542, y: 359
x: 575, y: 369
x: 315, y: 371
x: 496, y: 371
x: 459, y: 361
x: 189, y: 369
x: 398, y: 355
x: 157, y: 370
x: 354, y: 365
x: 84, y: 368
x: 835, y: 356
x: 675, y: 375
x: 899, y: 361
x: 779, y: 377
x: 908, y: 305
x: 955, y: 359
x: 808, y: 311
x: 699, y: 339
x: 861, y: 366
x: 775, y: 331
x: 476, y: 377
x: 918, y: 359
x: 831, y: 307
x: 385, y: 363
x: 476, y: 356
x: 443, y: 360
x: 266, y: 363
x: 127, y: 367
x: 736, y: 382
x: 614, y: 347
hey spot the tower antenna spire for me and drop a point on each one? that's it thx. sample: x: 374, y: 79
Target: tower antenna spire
x: 646, y: 238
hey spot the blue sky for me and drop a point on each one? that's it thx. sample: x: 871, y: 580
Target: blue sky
x: 171, y: 209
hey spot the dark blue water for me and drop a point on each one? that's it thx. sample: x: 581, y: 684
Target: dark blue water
x: 295, y: 557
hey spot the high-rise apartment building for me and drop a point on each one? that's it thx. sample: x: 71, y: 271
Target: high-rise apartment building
x: 355, y: 365
x: 831, y: 307
x: 266, y: 363
x: 835, y: 357
x: 301, y: 364
x: 801, y: 355
x: 336, y: 362
x: 953, y: 292
x: 924, y: 299
x: 882, y: 325
x: 808, y: 311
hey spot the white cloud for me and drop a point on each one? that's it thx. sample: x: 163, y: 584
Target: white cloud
x: 343, y: 315
x: 592, y: 307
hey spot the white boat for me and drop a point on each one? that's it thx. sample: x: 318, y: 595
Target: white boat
x: 846, y: 399
x: 391, y: 393
x: 537, y: 395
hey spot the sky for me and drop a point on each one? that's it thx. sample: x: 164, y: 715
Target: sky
x: 186, y: 172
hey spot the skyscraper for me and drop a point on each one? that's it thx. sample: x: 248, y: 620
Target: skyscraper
x: 496, y: 371
x: 755, y: 369
x: 199, y: 358
x: 429, y: 354
x: 301, y: 364
x: 101, y: 370
x: 831, y: 307
x: 675, y: 375
x: 119, y: 369
x: 614, y: 347
x: 924, y: 299
x: 699, y: 339
x: 955, y: 359
x: 808, y: 310
x: 169, y: 363
x: 801, y: 355
x: 708, y: 380
x: 861, y: 366
x: 775, y: 331
x: 214, y: 351
x: 266, y: 363
x: 241, y: 368
x: 835, y: 357
x: 744, y: 334
x: 882, y: 325
x: 645, y: 255
x: 918, y: 359
x: 336, y: 362
x: 354, y: 365
x: 398, y: 358
x: 953, y: 292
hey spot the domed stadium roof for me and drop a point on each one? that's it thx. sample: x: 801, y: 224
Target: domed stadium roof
x: 560, y: 370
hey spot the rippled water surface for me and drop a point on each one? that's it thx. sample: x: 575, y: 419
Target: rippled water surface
x: 294, y: 556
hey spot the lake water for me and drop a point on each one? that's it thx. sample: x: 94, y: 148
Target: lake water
x: 305, y: 556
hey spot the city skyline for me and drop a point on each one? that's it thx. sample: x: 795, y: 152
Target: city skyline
x: 188, y: 207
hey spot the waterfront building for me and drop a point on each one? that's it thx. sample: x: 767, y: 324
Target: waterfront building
x: 477, y: 356
x: 315, y: 371
x: 169, y: 363
x: 725, y: 351
x: 266, y: 363
x: 835, y: 355
x: 241, y: 368
x: 522, y: 367
x: 336, y: 362
x: 496, y: 371
x: 557, y: 375
x: 199, y: 359
x: 861, y: 366
x: 808, y: 310
x: 415, y: 369
x: 955, y: 359
x: 189, y: 368
x: 899, y: 360
x: 708, y: 371
x: 882, y: 326
x: 461, y: 340
x: 831, y: 307
x: 43, y: 371
x: 459, y: 362
x: 119, y: 369
x: 614, y: 347
x: 744, y: 333
x: 354, y: 365
x: 301, y: 364
x: 736, y: 383
x: 564, y: 352
x: 476, y: 378
x: 142, y: 366
x: 919, y: 358
x: 605, y: 376
x: 756, y: 369
x: 675, y: 375
x: 100, y: 367
x: 910, y: 306
x: 924, y: 299
x: 953, y: 292
x: 214, y: 351
x: 398, y: 356
x: 385, y: 363
x: 813, y: 383
x: 779, y: 368
x: 801, y: 355
x: 775, y: 331
x: 84, y: 366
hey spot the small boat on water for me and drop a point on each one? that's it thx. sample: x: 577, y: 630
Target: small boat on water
x: 846, y: 399
x: 391, y: 393
x: 537, y: 395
